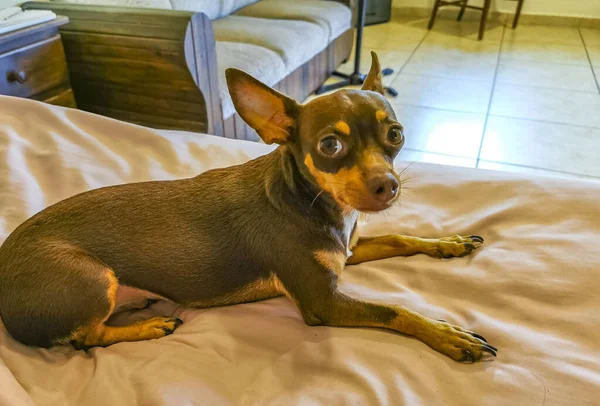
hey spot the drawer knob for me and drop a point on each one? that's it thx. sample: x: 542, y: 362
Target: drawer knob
x: 14, y: 76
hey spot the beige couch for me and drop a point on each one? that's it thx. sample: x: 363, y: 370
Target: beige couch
x: 293, y: 45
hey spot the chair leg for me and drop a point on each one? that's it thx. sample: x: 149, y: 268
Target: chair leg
x: 484, y: 14
x: 518, y: 13
x: 436, y: 6
x: 463, y: 6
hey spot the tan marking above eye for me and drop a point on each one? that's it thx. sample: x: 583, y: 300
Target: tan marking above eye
x: 381, y: 115
x: 342, y: 127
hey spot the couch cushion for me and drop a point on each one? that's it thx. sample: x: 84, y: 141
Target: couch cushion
x: 264, y: 64
x: 334, y: 17
x: 214, y: 9
x: 295, y: 41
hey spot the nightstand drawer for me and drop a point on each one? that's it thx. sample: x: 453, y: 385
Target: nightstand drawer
x: 34, y: 69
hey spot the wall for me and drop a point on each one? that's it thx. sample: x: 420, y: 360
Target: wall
x: 9, y: 3
x: 574, y: 8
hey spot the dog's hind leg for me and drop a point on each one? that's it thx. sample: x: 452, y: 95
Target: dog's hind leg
x: 371, y: 249
x: 56, y: 293
x: 98, y: 334
x: 101, y: 335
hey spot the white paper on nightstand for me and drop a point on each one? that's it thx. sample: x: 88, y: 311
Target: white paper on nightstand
x: 14, y: 18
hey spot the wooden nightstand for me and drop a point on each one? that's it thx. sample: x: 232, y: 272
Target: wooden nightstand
x: 33, y: 64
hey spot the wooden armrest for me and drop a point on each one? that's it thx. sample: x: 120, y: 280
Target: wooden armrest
x: 152, y: 67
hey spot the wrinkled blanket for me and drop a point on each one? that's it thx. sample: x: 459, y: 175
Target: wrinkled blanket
x: 533, y: 289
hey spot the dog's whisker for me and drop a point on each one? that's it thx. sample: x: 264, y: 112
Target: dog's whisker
x: 315, y: 199
x: 407, y: 166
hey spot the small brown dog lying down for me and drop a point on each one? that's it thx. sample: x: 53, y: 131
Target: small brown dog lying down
x: 282, y: 224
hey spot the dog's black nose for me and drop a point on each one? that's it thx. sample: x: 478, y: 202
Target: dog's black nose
x: 383, y: 187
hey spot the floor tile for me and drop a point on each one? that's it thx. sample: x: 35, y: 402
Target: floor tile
x: 408, y: 25
x: 496, y: 166
x: 466, y: 30
x: 330, y: 80
x: 459, y: 47
x: 389, y: 59
x: 537, y: 51
x: 590, y: 36
x: 440, y: 131
x: 413, y: 22
x: 407, y: 156
x: 542, y: 145
x: 569, y: 77
x: 540, y: 33
x: 594, y: 53
x: 596, y: 69
x: 538, y: 103
x: 451, y: 94
x: 390, y: 43
x: 333, y: 79
x: 449, y: 64
x: 397, y: 37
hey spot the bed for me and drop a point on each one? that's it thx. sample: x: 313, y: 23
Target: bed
x: 532, y: 290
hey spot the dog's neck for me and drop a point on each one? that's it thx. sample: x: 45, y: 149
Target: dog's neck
x: 290, y: 190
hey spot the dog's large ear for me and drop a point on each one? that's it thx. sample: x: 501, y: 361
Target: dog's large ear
x: 373, y: 80
x: 270, y: 113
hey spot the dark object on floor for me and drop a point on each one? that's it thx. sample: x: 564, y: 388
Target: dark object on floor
x: 378, y: 11
x: 463, y: 5
x: 356, y: 78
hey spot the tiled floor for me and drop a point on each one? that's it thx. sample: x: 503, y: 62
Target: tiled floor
x: 525, y: 100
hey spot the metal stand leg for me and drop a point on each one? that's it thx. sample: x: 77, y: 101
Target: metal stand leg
x: 356, y: 78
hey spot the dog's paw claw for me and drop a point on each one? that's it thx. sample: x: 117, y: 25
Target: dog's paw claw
x: 469, y: 248
x: 459, y: 344
x: 478, y: 336
x: 489, y: 349
x: 456, y: 246
x: 467, y: 357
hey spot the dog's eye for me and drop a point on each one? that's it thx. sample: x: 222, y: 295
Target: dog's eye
x: 395, y: 136
x: 330, y: 146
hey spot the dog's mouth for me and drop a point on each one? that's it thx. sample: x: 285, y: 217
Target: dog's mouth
x: 366, y: 203
x: 372, y: 207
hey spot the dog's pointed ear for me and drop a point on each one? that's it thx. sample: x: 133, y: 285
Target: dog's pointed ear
x: 272, y: 114
x: 373, y: 80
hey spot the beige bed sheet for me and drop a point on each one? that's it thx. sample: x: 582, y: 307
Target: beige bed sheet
x: 532, y: 290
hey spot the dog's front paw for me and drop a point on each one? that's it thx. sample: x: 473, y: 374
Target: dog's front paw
x: 459, y: 344
x: 456, y: 246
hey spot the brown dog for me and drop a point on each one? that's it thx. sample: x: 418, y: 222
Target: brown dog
x: 282, y: 224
